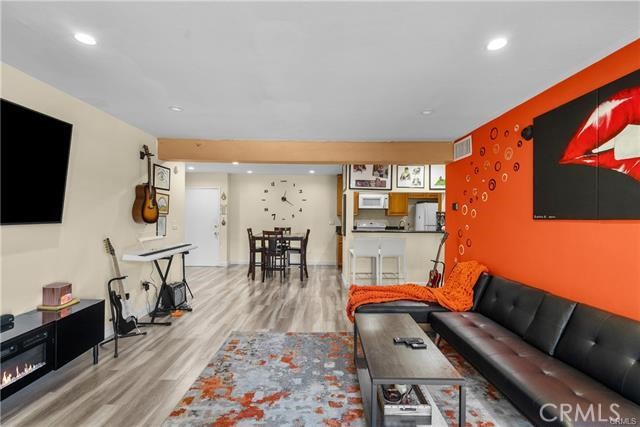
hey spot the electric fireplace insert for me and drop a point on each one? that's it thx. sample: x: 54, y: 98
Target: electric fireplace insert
x: 25, y: 359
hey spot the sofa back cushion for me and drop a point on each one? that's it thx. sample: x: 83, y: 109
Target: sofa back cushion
x: 479, y: 288
x: 509, y: 303
x: 549, y: 322
x: 604, y: 346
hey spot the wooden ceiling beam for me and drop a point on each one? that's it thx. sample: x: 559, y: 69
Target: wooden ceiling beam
x: 307, y: 152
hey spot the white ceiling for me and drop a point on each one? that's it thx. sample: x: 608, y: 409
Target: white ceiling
x: 264, y: 169
x: 318, y: 70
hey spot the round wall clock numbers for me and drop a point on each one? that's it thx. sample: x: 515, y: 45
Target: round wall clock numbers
x: 283, y: 200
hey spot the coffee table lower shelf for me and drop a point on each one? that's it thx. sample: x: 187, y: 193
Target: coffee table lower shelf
x: 437, y: 420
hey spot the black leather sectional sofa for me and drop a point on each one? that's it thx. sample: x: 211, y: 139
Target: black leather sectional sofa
x: 561, y: 363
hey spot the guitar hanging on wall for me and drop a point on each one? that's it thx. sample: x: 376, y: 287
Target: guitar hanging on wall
x: 435, y: 277
x: 145, y: 207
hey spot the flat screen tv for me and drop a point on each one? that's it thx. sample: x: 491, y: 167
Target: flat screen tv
x: 34, y: 158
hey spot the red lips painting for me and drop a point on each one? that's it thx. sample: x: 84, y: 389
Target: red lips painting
x: 610, y: 137
x: 586, y: 155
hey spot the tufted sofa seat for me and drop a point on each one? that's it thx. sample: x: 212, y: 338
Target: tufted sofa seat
x: 548, y: 354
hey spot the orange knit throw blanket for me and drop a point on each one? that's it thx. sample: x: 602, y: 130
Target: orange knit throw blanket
x: 456, y: 294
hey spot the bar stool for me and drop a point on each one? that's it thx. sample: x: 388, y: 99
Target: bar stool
x: 365, y: 248
x: 392, y: 248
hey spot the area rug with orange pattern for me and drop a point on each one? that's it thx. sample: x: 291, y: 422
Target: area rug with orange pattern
x: 308, y: 379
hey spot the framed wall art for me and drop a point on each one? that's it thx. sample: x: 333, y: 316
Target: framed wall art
x: 410, y: 176
x: 161, y: 226
x: 437, y: 178
x: 370, y: 177
x: 163, y: 203
x: 161, y: 177
x: 586, y: 155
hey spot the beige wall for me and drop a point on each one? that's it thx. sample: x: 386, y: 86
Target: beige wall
x: 221, y: 182
x: 104, y: 168
x: 246, y: 210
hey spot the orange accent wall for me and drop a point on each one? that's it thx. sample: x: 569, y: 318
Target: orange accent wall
x: 590, y: 261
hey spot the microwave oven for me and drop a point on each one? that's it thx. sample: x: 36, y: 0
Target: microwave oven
x: 373, y: 201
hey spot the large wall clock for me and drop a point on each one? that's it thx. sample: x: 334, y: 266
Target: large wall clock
x: 283, y: 200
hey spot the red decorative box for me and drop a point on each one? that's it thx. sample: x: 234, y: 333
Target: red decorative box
x: 55, y: 294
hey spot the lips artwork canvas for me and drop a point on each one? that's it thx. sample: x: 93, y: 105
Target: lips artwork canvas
x: 587, y: 155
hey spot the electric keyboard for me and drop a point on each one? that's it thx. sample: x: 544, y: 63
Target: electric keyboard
x: 146, y: 255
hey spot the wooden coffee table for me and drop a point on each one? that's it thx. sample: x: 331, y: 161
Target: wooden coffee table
x: 384, y: 362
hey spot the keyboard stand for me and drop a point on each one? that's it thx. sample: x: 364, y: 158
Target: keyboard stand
x: 184, y: 275
x: 164, y: 293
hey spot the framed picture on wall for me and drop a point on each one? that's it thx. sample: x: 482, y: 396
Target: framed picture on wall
x: 437, y: 179
x: 370, y: 177
x: 161, y: 177
x: 161, y: 226
x: 163, y: 203
x: 410, y: 176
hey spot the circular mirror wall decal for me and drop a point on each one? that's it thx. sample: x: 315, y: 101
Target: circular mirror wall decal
x: 492, y: 184
x: 461, y: 249
x: 494, y: 133
x: 468, y: 243
x: 516, y: 128
x: 506, y: 133
x: 482, y: 150
x: 497, y: 166
x: 485, y: 196
x: 505, y: 177
x: 473, y: 213
x: 486, y: 165
x: 496, y: 148
x: 516, y: 167
x: 508, y: 153
x: 465, y: 209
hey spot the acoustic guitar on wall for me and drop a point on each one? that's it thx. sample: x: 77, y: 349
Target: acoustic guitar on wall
x: 145, y: 207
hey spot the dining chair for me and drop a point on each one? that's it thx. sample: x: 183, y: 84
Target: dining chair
x: 254, y: 250
x: 275, y: 255
x: 302, y: 252
x: 285, y: 243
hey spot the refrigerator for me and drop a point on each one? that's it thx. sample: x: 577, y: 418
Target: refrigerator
x: 426, y: 218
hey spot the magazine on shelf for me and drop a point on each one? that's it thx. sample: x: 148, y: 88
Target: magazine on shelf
x: 414, y: 410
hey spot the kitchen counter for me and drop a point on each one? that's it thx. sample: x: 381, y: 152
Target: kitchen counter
x: 420, y: 247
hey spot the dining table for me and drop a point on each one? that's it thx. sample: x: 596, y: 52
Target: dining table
x: 288, y: 237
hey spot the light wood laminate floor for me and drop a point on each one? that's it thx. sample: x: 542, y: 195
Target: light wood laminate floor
x: 146, y: 381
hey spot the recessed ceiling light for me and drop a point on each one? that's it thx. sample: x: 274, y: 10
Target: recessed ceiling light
x: 175, y: 108
x: 249, y: 171
x: 191, y: 168
x: 312, y: 171
x: 235, y: 163
x: 427, y: 112
x: 497, y: 43
x: 85, y: 38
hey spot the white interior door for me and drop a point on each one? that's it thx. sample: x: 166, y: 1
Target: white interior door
x: 202, y: 219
